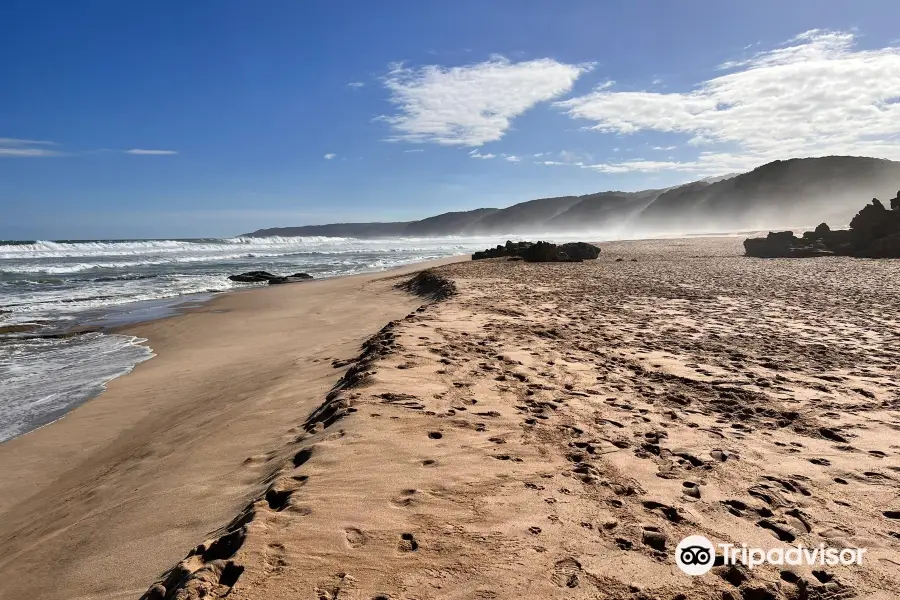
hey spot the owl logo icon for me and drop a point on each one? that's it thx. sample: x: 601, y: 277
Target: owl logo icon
x: 695, y: 555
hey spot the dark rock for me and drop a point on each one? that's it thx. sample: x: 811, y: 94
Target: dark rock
x: 874, y: 233
x: 252, y: 277
x: 783, y: 244
x: 580, y: 250
x: 886, y: 247
x: 508, y: 249
x: 265, y: 276
x: 289, y: 279
x: 541, y: 252
x: 869, y: 220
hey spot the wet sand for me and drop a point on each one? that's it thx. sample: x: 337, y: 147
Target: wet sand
x: 548, y: 431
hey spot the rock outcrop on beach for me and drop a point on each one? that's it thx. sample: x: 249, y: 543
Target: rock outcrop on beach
x: 874, y: 233
x: 252, y: 277
x: 542, y: 252
x: 580, y: 250
x: 509, y: 249
x: 266, y: 277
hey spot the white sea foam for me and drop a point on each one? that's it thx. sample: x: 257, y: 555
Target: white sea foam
x: 277, y: 244
x: 42, y: 379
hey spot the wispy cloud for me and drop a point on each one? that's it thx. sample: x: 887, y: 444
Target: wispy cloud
x: 356, y: 85
x: 19, y: 148
x: 145, y: 152
x: 473, y: 104
x: 664, y: 147
x: 329, y: 156
x: 414, y: 150
x: 566, y: 157
x: 477, y: 154
x: 815, y: 95
x: 513, y: 158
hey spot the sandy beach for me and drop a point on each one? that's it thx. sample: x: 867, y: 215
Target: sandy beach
x: 510, y: 430
x: 101, y: 502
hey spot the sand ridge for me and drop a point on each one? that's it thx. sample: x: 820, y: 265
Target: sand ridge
x: 553, y: 431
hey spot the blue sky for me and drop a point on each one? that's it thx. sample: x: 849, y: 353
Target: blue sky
x: 216, y: 117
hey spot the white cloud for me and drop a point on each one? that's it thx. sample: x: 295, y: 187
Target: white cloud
x: 664, y: 147
x: 472, y: 104
x: 539, y: 154
x: 356, y: 84
x: 816, y: 95
x: 329, y: 156
x: 17, y: 142
x: 18, y: 148
x: 477, y: 154
x: 143, y: 152
x: 513, y: 158
x: 414, y: 150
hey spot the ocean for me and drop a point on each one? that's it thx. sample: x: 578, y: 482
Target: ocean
x: 50, y: 289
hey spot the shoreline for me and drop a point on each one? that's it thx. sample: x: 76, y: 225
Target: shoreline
x: 119, y: 319
x: 228, y: 379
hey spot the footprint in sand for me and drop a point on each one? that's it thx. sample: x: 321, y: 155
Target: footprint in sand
x: 274, y: 558
x: 406, y: 498
x: 278, y: 500
x: 407, y: 543
x: 566, y: 572
x: 355, y: 538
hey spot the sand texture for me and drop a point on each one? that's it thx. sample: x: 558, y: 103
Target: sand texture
x: 554, y: 430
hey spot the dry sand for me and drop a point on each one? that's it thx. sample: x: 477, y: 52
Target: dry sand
x: 550, y: 431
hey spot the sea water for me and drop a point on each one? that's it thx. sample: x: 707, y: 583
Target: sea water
x: 51, y: 287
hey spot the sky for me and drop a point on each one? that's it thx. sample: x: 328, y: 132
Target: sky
x: 213, y: 118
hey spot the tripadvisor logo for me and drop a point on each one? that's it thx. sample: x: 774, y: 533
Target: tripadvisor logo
x: 696, y: 555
